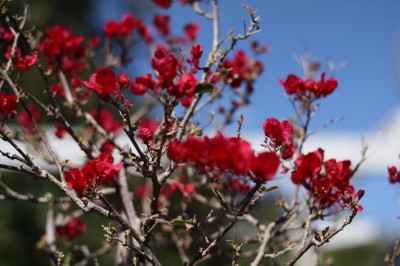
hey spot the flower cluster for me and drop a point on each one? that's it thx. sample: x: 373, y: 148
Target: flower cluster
x: 241, y: 69
x: 224, y: 154
x: 104, y: 82
x: 394, y: 175
x: 106, y: 120
x: 166, y: 66
x: 306, y: 90
x: 8, y: 106
x: 115, y: 30
x: 23, y: 62
x: 100, y: 170
x: 167, y: 191
x: 64, y: 50
x: 280, y: 135
x: 328, y: 181
x: 26, y: 119
x: 73, y: 228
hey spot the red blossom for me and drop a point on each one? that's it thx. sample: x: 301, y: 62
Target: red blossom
x: 191, y: 31
x: 219, y: 154
x: 25, y: 119
x: 394, y: 175
x: 103, y: 82
x: 25, y: 62
x: 146, y: 136
x: 8, y: 106
x: 328, y: 182
x: 6, y: 35
x: 57, y: 90
x: 64, y: 50
x: 186, y: 85
x: 163, y: 3
x: 151, y: 125
x: 60, y: 131
x: 94, y: 42
x: 196, y: 52
x: 72, y: 229
x: 100, y: 170
x: 113, y: 29
x: 77, y: 180
x: 106, y: 120
x: 307, y: 166
x: 166, y: 66
x: 123, y: 80
x: 242, y: 69
x: 265, y: 165
x: 142, y: 84
x: 161, y: 22
x: 308, y: 89
x: 107, y: 147
x: 280, y: 135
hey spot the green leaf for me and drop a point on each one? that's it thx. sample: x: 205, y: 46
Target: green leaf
x: 272, y: 188
x: 231, y: 243
x: 178, y: 223
x: 204, y: 88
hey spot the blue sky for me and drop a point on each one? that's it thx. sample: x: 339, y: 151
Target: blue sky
x: 363, y: 34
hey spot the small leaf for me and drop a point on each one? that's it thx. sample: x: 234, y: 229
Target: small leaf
x: 325, y: 232
x: 272, y: 188
x: 205, y: 87
x: 178, y: 223
x: 231, y: 243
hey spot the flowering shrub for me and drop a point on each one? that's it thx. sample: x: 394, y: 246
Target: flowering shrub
x: 164, y: 182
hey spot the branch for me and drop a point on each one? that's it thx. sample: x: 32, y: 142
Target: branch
x: 319, y: 242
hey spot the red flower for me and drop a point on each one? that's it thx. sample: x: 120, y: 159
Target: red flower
x: 94, y: 42
x: 196, y: 52
x: 186, y: 85
x: 219, y: 154
x: 280, y: 135
x: 26, y: 120
x: 163, y: 3
x: 324, y: 88
x: 64, y: 50
x: 113, y: 29
x: 77, y: 180
x: 242, y: 69
x: 307, y: 166
x: 308, y: 88
x: 8, y: 106
x: 103, y: 82
x: 100, y: 170
x: 142, y: 84
x: 265, y: 166
x: 123, y: 80
x: 57, y: 90
x: 107, y: 147
x: 394, y: 175
x: 187, y: 189
x: 25, y: 62
x: 162, y: 24
x: 151, y: 125
x: 72, y: 229
x: 191, y: 30
x: 166, y: 66
x: 60, y: 131
x: 146, y: 136
x: 106, y: 120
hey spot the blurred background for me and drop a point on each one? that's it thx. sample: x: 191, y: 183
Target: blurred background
x: 360, y: 38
